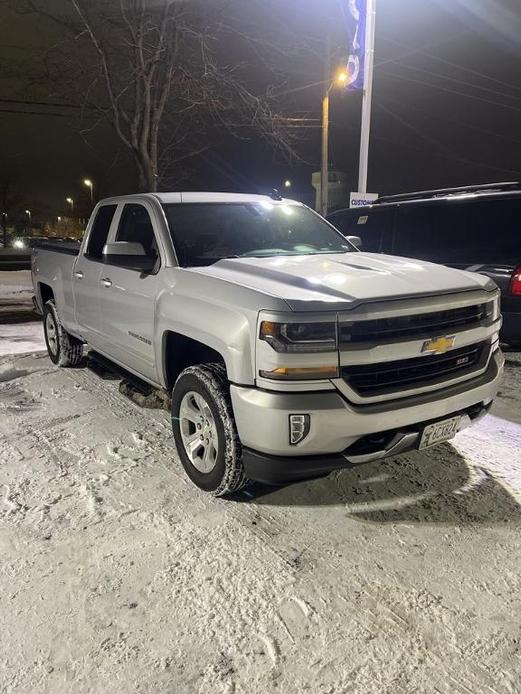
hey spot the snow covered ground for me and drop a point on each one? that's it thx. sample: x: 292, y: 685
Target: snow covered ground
x: 118, y: 576
x: 20, y: 328
x: 15, y: 282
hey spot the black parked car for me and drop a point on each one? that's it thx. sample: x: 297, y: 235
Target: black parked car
x: 475, y: 228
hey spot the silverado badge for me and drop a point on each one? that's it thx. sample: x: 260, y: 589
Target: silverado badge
x: 439, y: 345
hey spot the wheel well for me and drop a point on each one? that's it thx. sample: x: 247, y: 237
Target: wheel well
x: 181, y: 351
x: 46, y: 293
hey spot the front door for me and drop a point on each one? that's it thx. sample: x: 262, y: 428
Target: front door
x: 86, y: 278
x: 128, y: 297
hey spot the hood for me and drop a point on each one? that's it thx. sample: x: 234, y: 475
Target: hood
x: 316, y: 282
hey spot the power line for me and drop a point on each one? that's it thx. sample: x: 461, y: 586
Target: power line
x: 34, y: 113
x: 452, y: 91
x: 463, y: 124
x: 414, y: 51
x: 441, y: 146
x: 458, y: 81
x: 448, y: 62
x: 39, y: 103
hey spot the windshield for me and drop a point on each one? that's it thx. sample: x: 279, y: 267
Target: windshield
x: 204, y: 233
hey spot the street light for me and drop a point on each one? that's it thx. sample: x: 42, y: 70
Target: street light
x: 340, y: 79
x: 90, y: 185
x: 71, y: 203
x: 59, y: 219
x: 287, y: 183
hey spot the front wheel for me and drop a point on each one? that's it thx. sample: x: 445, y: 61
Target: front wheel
x: 63, y: 349
x: 204, y: 430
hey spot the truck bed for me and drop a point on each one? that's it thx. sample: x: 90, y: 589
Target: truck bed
x: 53, y: 265
x: 68, y: 247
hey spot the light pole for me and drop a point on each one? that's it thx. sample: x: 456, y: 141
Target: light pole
x: 341, y: 78
x: 71, y: 203
x: 28, y: 213
x: 90, y: 185
x: 4, y: 225
x: 367, y: 95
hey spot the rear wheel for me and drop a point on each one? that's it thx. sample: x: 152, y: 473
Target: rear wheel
x: 63, y: 349
x: 204, y: 430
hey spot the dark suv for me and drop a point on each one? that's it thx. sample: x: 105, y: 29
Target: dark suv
x: 475, y: 228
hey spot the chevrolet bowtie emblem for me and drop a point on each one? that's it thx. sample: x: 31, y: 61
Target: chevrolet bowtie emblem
x: 439, y: 345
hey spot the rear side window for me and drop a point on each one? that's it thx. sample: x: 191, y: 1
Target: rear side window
x: 454, y: 232
x: 135, y: 226
x: 373, y: 226
x: 100, y: 231
x: 495, y: 229
x: 344, y: 221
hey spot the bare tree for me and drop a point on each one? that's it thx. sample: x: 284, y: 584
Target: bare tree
x: 165, y: 73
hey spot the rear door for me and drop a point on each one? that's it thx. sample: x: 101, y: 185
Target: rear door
x: 128, y: 297
x: 86, y: 277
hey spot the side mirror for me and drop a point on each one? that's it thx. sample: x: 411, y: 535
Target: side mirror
x: 128, y: 255
x: 355, y: 240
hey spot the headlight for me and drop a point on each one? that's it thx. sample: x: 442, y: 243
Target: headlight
x: 299, y: 337
x: 18, y: 244
x: 497, y: 307
x: 492, y: 308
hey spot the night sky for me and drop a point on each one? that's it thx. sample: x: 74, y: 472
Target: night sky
x: 447, y: 111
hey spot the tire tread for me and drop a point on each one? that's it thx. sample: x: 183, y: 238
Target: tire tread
x: 70, y: 348
x: 213, y: 376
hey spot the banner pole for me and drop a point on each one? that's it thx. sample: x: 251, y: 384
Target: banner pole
x: 367, y: 95
x: 324, y: 167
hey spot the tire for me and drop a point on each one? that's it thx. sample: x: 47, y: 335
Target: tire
x: 63, y: 349
x: 197, y: 387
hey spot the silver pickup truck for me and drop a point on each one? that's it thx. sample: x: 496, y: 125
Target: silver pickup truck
x: 288, y: 353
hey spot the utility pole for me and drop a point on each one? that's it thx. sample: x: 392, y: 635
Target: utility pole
x: 367, y: 95
x: 4, y: 227
x: 324, y: 169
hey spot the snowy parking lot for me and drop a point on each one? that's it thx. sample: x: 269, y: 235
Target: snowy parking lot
x: 118, y: 575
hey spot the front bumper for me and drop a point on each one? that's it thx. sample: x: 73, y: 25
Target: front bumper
x: 336, y: 425
x: 273, y: 469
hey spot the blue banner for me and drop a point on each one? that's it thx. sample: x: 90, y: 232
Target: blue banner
x: 356, y: 17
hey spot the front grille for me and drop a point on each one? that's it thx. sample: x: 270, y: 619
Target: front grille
x: 406, y: 374
x: 412, y: 327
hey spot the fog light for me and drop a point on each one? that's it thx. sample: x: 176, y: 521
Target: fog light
x: 299, y: 425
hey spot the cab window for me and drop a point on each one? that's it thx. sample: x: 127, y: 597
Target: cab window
x: 100, y: 231
x: 135, y: 226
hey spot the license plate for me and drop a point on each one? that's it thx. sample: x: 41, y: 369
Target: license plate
x: 438, y: 432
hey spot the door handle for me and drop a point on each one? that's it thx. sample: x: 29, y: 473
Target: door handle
x: 106, y: 282
x: 79, y: 274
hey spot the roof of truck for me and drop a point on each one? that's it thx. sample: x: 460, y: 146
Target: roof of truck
x: 216, y: 197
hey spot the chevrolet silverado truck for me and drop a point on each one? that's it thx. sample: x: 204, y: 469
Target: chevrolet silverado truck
x: 288, y: 353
